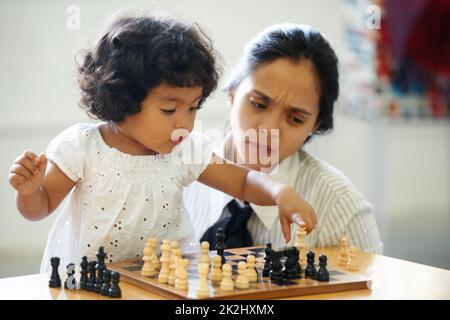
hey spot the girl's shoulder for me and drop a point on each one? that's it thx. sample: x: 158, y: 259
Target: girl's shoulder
x: 78, y: 138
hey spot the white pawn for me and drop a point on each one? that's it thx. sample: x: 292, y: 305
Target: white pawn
x: 227, y: 283
x: 251, y: 274
x: 176, y: 254
x: 242, y: 280
x: 352, y: 264
x: 165, y: 262
x: 343, y: 253
x: 216, y: 274
x: 181, y: 274
x: 301, y: 246
x: 148, y: 270
x: 204, y: 256
x: 154, y: 258
x: 203, y: 288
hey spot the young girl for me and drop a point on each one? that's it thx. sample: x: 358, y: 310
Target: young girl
x: 145, y: 79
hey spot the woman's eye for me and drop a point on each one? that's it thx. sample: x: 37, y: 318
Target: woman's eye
x: 168, y: 111
x: 296, y: 120
x: 257, y: 105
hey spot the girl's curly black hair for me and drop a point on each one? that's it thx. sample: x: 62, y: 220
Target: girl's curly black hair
x: 138, y: 53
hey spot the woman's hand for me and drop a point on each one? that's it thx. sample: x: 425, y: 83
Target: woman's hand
x: 293, y: 209
x: 27, y: 172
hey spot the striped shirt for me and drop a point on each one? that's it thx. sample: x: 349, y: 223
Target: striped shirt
x: 340, y: 208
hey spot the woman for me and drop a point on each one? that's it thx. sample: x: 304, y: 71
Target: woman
x: 285, y: 86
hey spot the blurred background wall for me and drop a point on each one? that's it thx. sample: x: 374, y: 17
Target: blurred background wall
x: 401, y: 166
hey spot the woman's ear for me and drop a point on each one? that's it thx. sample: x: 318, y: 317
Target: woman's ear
x: 316, y: 126
x: 230, y: 96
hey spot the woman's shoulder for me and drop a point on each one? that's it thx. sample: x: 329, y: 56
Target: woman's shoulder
x: 321, y: 174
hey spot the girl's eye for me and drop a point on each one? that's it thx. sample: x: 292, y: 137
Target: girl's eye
x: 195, y: 108
x: 257, y: 105
x: 168, y: 111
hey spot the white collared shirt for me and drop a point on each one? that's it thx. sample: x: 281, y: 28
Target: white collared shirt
x: 339, y: 207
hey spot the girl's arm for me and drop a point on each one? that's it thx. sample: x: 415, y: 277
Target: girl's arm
x: 252, y: 186
x: 38, y: 191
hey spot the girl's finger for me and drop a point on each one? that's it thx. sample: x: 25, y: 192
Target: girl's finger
x: 30, y: 155
x: 20, y: 170
x: 27, y: 163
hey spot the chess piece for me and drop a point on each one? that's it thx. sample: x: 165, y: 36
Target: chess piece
x: 322, y: 274
x: 176, y: 254
x: 227, y: 283
x: 55, y: 279
x: 242, y: 281
x: 203, y: 288
x: 352, y: 264
x: 165, y: 262
x: 301, y: 246
x: 71, y: 282
x: 154, y: 258
x: 148, y: 269
x: 181, y: 275
x: 220, y: 244
x: 267, y: 262
x: 101, y: 267
x: 106, y: 282
x: 92, y: 281
x: 310, y: 271
x: 343, y: 253
x: 84, y: 273
x: 204, y: 256
x: 216, y: 274
x: 251, y: 274
x: 291, y: 264
x: 114, y: 291
x: 276, y: 272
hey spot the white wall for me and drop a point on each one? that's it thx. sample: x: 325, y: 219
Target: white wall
x: 403, y: 169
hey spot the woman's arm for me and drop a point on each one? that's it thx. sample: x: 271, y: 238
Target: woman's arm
x: 252, y: 186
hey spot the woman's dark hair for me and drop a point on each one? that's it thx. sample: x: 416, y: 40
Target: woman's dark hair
x: 296, y: 42
x: 136, y: 54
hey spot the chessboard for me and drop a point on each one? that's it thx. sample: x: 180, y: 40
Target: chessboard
x: 340, y: 280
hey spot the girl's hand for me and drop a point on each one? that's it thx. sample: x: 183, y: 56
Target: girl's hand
x: 293, y: 209
x: 27, y: 172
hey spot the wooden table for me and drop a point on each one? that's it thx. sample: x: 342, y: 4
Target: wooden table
x: 391, y: 279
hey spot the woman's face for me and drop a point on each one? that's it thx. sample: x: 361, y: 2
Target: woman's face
x: 279, y: 98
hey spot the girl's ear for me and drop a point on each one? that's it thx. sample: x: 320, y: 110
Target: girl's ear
x: 230, y: 96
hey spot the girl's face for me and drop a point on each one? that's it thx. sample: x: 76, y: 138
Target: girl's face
x: 166, y: 111
x: 279, y: 98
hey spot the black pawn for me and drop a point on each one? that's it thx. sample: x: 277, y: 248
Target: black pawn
x: 220, y: 244
x: 101, y: 267
x: 276, y: 273
x: 267, y: 261
x: 310, y: 271
x: 299, y: 267
x: 84, y: 273
x: 291, y: 263
x: 106, y: 282
x: 55, y: 280
x: 114, y: 291
x: 71, y: 282
x: 322, y: 274
x: 92, y: 277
